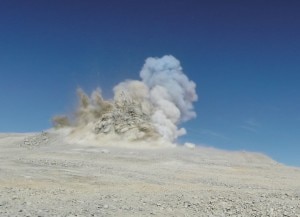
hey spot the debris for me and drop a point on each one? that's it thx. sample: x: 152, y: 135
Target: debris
x: 36, y: 140
x: 126, y: 117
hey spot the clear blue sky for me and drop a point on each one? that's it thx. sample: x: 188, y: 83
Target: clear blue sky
x: 243, y: 55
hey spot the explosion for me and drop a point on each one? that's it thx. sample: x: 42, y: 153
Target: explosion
x: 148, y: 109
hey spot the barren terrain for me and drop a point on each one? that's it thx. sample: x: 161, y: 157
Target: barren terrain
x: 43, y: 176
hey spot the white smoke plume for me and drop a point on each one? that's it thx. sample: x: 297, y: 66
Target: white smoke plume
x: 171, y: 93
x: 151, y: 108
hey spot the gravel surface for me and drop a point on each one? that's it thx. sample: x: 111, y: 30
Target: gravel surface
x: 42, y: 176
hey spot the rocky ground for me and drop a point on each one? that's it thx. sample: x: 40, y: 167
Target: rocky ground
x: 42, y: 176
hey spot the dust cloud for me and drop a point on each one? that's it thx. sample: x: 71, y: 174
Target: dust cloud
x: 149, y: 110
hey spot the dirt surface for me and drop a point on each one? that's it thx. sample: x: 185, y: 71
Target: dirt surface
x: 40, y: 175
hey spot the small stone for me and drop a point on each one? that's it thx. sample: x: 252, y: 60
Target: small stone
x: 186, y: 205
x: 104, y: 151
x: 169, y: 209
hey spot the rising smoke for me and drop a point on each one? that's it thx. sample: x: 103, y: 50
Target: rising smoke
x: 150, y: 108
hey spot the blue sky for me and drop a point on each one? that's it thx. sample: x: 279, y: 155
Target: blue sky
x: 243, y: 55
